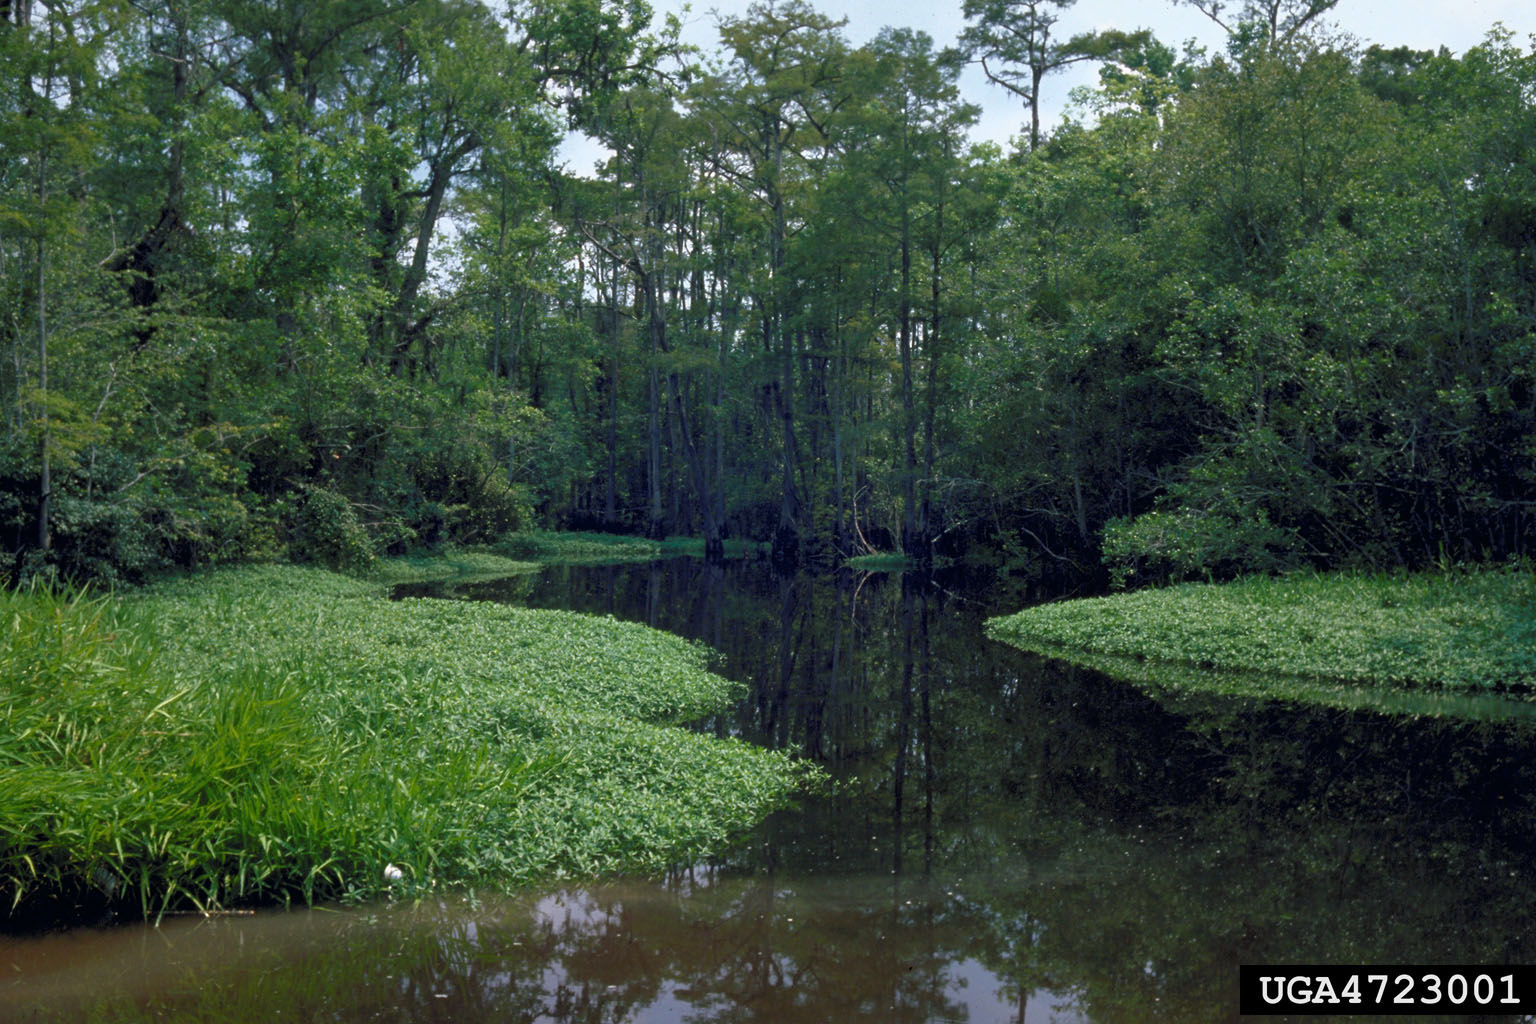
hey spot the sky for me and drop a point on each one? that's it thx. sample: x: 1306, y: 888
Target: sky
x: 1421, y: 24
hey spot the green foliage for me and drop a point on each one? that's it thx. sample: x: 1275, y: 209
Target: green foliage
x: 1262, y: 310
x: 280, y: 733
x: 323, y: 528
x: 882, y: 561
x: 577, y: 547
x: 1192, y: 543
x: 455, y: 565
x: 1460, y: 630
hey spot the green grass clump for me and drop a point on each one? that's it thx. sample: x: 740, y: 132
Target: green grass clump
x: 1469, y: 631
x: 278, y: 733
x: 577, y: 548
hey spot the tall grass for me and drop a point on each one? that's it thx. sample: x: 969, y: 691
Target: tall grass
x: 276, y: 734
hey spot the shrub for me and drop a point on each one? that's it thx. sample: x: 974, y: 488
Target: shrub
x: 323, y: 528
x: 1186, y: 544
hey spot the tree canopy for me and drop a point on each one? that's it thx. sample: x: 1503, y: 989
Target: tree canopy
x: 306, y: 279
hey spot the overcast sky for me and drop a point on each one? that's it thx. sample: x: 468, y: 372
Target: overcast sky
x: 1422, y: 24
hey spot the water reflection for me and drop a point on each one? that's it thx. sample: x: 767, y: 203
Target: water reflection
x: 705, y: 947
x: 1010, y: 839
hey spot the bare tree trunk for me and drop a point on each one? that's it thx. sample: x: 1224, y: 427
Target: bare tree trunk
x: 839, y: 386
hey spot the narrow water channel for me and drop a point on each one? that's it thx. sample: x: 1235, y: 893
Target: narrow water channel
x: 1009, y: 839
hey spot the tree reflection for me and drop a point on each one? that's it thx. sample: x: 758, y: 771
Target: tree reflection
x: 1006, y: 832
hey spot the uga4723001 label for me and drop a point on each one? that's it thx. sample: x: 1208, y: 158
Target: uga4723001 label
x: 1401, y: 989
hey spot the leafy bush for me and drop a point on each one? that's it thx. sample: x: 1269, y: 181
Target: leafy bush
x: 1193, y: 543
x: 100, y: 541
x: 323, y: 528
x: 496, y: 510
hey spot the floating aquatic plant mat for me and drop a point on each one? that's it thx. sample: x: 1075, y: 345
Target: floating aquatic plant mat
x: 578, y: 548
x: 1452, y: 644
x: 452, y: 567
x: 277, y: 733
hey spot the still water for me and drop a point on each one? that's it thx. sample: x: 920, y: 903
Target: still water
x: 1010, y: 839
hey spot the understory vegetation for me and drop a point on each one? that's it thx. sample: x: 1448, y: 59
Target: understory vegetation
x: 278, y: 733
x: 1471, y: 631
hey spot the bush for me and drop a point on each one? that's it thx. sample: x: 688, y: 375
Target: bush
x: 1207, y: 544
x: 323, y: 529
x: 497, y: 510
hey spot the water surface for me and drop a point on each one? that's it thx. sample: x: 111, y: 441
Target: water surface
x: 1010, y: 839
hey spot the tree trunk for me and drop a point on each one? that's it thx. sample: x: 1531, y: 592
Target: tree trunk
x: 610, y: 497
x: 909, y: 537
x: 45, y: 480
x: 404, y: 329
x: 141, y: 263
x: 786, y: 537
x: 925, y: 516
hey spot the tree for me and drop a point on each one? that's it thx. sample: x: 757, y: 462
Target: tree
x: 1280, y: 21
x: 772, y: 107
x: 1013, y: 41
x: 47, y: 123
x: 901, y: 137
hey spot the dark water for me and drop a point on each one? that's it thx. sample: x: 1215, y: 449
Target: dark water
x: 1011, y: 839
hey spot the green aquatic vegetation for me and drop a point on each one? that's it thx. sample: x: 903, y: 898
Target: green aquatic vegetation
x: 278, y: 733
x: 880, y: 561
x: 577, y: 548
x: 456, y: 565
x: 1466, y: 631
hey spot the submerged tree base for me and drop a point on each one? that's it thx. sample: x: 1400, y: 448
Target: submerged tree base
x: 275, y: 733
x: 1332, y: 638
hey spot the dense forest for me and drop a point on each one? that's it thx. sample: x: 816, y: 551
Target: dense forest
x: 305, y: 279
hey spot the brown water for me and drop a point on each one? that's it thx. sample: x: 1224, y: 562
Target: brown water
x: 1012, y: 839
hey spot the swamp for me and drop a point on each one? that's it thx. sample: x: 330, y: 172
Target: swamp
x: 577, y: 510
x: 1006, y: 837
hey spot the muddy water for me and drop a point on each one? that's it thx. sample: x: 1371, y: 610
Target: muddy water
x: 1011, y: 839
